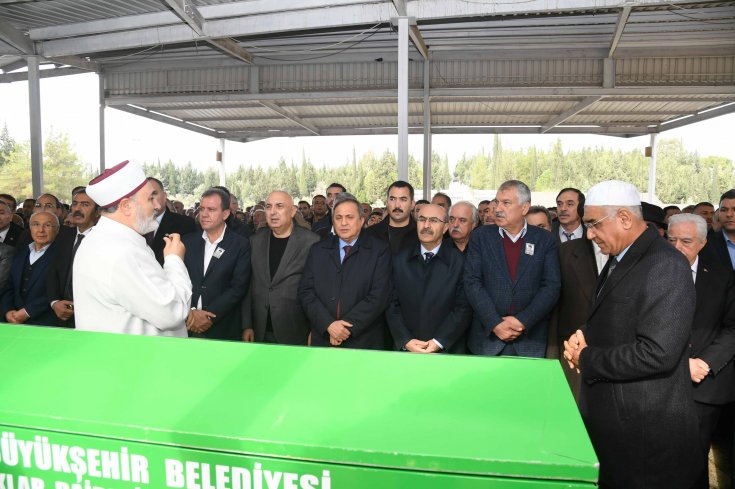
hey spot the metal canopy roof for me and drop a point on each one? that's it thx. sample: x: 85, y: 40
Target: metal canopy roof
x: 252, y: 69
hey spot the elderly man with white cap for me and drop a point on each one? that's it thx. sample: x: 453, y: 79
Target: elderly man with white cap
x: 119, y: 287
x: 636, y: 396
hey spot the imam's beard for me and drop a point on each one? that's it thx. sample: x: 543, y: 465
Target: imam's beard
x: 143, y: 224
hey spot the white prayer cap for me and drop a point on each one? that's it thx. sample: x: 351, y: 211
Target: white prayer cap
x: 614, y: 193
x: 116, y: 183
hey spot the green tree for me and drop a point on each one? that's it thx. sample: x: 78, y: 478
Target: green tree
x: 7, y: 145
x: 440, y: 177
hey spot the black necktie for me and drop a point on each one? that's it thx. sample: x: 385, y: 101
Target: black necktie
x: 568, y: 235
x: 611, y: 268
x: 427, y: 256
x: 347, y: 249
x: 68, y: 290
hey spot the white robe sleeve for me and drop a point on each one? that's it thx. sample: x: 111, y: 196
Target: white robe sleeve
x: 159, y: 296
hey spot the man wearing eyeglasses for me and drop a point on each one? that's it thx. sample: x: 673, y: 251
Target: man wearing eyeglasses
x: 429, y: 312
x: 25, y: 301
x: 511, y: 279
x: 633, y: 352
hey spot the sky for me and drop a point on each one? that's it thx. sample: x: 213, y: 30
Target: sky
x: 69, y: 104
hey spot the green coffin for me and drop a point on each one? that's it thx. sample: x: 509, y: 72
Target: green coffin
x: 83, y: 410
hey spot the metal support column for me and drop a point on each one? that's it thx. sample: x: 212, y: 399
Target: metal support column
x: 221, y: 155
x: 652, y: 170
x: 427, y: 132
x: 101, y: 79
x: 403, y: 98
x: 34, y: 107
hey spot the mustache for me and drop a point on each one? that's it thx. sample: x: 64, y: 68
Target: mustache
x: 77, y: 214
x: 397, y: 210
x: 500, y: 215
x: 427, y: 231
x: 457, y: 229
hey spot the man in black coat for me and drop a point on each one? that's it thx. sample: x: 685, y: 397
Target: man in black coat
x: 721, y: 245
x: 429, y: 312
x: 168, y: 222
x: 9, y: 231
x: 346, y: 285
x: 713, y: 330
x: 636, y: 397
x: 399, y: 230
x: 579, y: 271
x: 84, y: 215
x: 323, y: 227
x: 218, y: 262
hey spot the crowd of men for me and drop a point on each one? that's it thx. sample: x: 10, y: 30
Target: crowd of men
x: 636, y: 301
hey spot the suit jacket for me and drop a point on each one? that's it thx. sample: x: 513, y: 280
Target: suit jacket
x: 428, y: 299
x: 325, y: 223
x: 59, y: 271
x: 13, y: 235
x: 36, y: 304
x: 360, y: 288
x: 170, y: 223
x: 6, y: 259
x: 713, y: 332
x: 407, y: 240
x: 636, y: 397
x: 224, y: 284
x: 716, y: 249
x: 280, y: 295
x: 578, y: 283
x: 492, y: 294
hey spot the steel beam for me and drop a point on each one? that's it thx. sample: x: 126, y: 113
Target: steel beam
x: 427, y: 131
x: 101, y: 81
x: 15, y: 38
x: 222, y: 167
x: 232, y: 48
x: 403, y: 98
x: 619, y: 28
x: 25, y: 75
x: 187, y: 11
x: 652, y: 170
x: 167, y: 120
x: 703, y: 115
x: 569, y: 113
x: 292, y: 117
x: 34, y: 109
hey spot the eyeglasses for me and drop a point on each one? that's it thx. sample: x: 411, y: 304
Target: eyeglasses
x: 432, y: 220
x: 596, y: 224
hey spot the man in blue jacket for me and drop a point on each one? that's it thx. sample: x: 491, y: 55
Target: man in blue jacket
x: 512, y: 279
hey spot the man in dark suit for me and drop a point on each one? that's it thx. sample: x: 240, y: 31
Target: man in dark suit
x: 218, y: 262
x: 713, y: 329
x: 636, y: 397
x: 272, y: 312
x: 6, y: 259
x: 25, y: 301
x: 399, y: 230
x: 511, y: 279
x: 579, y: 265
x: 168, y: 222
x: 9, y: 231
x: 347, y: 285
x: 84, y: 215
x: 721, y: 245
x: 429, y: 312
x: 570, y: 209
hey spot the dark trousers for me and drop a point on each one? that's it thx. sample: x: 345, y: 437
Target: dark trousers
x: 709, y: 415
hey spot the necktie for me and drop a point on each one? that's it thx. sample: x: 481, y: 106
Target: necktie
x: 149, y: 237
x: 68, y: 290
x: 568, y: 235
x: 347, y: 249
x: 427, y: 256
x: 613, y: 264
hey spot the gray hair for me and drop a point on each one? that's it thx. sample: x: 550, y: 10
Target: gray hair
x: 56, y: 218
x: 636, y: 210
x: 522, y: 190
x: 698, y: 220
x: 475, y: 213
x: 343, y: 197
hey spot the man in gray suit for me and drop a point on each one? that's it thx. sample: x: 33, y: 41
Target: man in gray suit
x: 271, y: 311
x: 633, y: 353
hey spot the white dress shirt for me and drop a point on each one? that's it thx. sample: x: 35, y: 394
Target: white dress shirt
x: 209, y: 249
